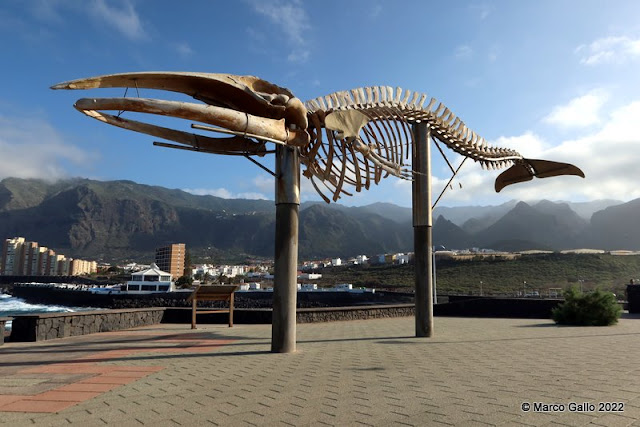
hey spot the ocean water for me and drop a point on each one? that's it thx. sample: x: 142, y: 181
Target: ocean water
x: 12, y: 306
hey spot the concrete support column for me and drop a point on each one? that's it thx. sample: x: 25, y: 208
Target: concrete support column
x: 285, y: 291
x: 422, y: 229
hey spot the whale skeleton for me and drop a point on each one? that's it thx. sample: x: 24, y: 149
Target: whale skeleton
x: 348, y: 139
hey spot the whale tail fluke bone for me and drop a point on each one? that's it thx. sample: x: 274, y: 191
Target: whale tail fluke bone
x: 526, y: 169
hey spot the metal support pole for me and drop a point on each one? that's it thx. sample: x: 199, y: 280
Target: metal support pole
x: 422, y: 224
x: 285, y: 290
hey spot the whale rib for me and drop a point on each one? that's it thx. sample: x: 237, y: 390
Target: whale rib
x: 378, y: 128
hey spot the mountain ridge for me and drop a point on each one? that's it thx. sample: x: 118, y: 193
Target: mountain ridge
x: 123, y: 219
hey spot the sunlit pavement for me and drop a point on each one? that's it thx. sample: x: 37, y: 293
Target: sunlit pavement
x: 371, y: 372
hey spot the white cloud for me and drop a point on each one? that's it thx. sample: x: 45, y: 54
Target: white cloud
x: 582, y: 111
x: 251, y: 195
x: 32, y: 148
x: 463, y: 52
x: 124, y: 19
x: 225, y: 194
x: 473, y: 185
x: 609, y: 157
x: 183, y: 49
x: 527, y: 144
x: 266, y: 185
x: 262, y: 185
x: 481, y: 10
x: 290, y: 18
x: 609, y: 50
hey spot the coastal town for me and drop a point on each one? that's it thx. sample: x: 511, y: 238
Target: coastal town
x: 21, y: 257
x: 23, y: 261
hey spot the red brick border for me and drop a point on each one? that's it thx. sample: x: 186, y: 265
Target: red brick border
x: 105, y: 377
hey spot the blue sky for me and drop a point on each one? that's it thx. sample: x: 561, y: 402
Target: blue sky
x: 556, y: 80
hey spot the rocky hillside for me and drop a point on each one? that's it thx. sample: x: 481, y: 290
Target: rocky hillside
x: 121, y: 219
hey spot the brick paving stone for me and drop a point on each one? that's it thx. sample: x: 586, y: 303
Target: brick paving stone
x: 37, y: 406
x: 10, y: 398
x: 64, y: 396
x: 88, y: 387
x: 105, y: 379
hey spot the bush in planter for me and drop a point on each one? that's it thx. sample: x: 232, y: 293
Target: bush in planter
x: 597, y: 308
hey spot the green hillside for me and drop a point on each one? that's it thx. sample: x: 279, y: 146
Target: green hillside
x: 540, y: 272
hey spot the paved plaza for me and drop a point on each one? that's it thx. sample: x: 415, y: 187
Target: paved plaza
x: 371, y: 372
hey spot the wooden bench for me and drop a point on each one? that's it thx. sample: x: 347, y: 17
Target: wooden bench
x: 212, y: 293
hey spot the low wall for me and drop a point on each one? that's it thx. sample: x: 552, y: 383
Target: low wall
x: 462, y: 306
x: 633, y: 298
x: 475, y: 306
x: 311, y: 315
x: 40, y: 327
x: 303, y: 315
x: 3, y: 320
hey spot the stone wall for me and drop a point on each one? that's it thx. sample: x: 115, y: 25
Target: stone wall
x: 303, y: 315
x: 40, y: 327
x: 3, y: 320
x: 306, y: 315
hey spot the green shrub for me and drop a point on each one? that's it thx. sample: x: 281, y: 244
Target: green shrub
x: 597, y: 308
x: 184, y: 282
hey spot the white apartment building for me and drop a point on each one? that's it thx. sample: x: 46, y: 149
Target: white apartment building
x: 234, y: 270
x: 402, y: 259
x: 361, y: 259
x: 225, y: 270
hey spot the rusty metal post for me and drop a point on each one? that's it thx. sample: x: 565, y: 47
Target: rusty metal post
x: 285, y: 290
x: 422, y: 224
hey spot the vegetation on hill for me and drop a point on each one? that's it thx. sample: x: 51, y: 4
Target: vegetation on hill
x: 500, y: 276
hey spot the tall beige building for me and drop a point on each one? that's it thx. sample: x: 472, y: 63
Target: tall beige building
x: 79, y: 267
x: 171, y: 259
x: 30, y: 260
x: 12, y: 257
x: 49, y: 263
x: 22, y: 258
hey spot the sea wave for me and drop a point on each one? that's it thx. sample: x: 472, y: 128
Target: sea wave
x: 12, y: 306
